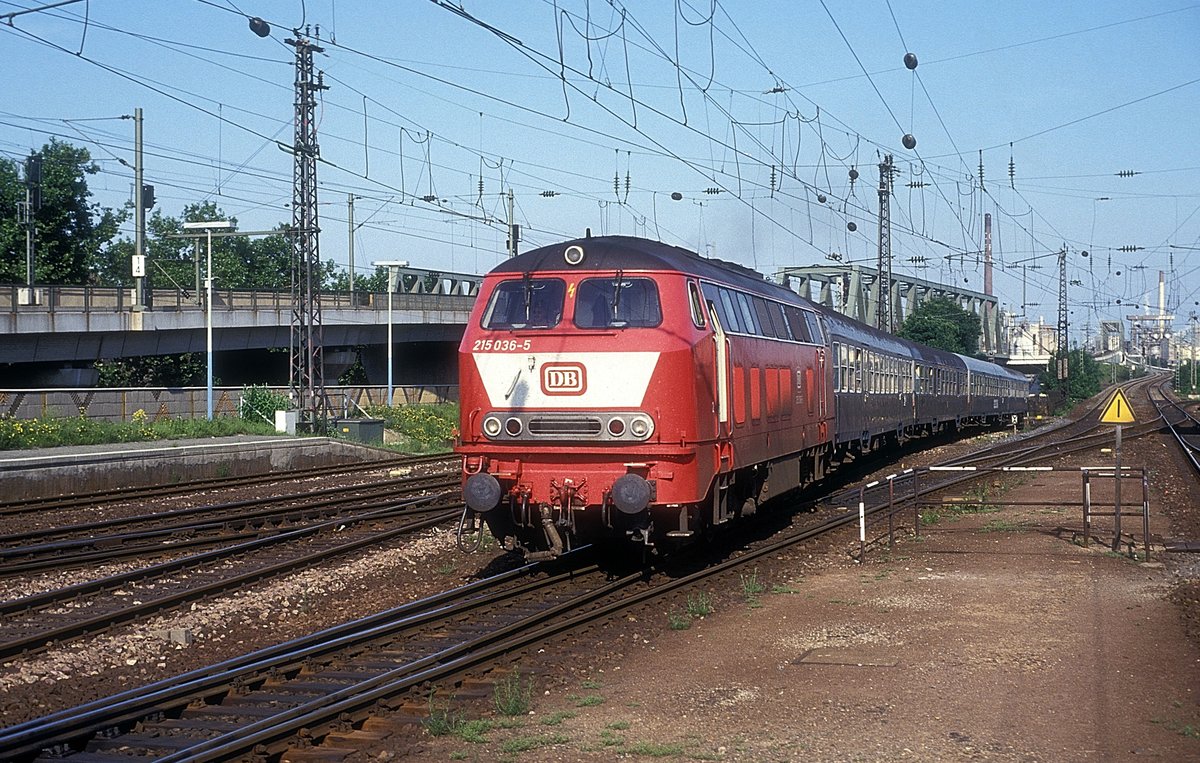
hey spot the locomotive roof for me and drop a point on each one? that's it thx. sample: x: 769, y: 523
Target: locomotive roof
x: 607, y: 253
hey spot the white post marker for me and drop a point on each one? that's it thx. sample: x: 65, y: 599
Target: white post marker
x: 1118, y: 411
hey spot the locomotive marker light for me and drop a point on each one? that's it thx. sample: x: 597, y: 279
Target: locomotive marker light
x: 393, y: 267
x: 574, y: 254
x: 1118, y: 411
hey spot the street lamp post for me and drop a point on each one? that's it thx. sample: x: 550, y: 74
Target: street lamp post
x: 393, y: 267
x: 208, y: 227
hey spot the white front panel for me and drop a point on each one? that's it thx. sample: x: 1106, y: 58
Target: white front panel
x: 566, y: 379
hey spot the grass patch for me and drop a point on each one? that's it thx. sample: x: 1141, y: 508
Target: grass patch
x: 699, y: 605
x: 474, y: 731
x: 590, y: 700
x: 678, y: 622
x: 513, y: 695
x: 1002, y: 526
x: 619, y: 726
x: 752, y: 587
x: 527, y: 743
x: 556, y: 718
x: 589, y: 683
x: 51, y: 432
x: 656, y: 749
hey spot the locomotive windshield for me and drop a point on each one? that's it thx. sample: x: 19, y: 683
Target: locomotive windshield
x: 618, y: 302
x: 528, y: 303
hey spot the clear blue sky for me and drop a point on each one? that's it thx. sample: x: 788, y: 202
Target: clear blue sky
x: 540, y: 96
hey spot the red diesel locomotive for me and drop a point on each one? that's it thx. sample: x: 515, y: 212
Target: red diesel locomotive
x: 616, y: 386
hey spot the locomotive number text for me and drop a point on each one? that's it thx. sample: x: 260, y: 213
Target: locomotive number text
x: 502, y: 345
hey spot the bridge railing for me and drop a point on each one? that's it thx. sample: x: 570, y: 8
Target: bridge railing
x: 106, y: 299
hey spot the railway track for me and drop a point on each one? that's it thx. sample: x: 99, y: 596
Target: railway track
x: 1078, y: 435
x: 93, y: 500
x: 334, y: 682
x: 157, y: 533
x: 35, y: 622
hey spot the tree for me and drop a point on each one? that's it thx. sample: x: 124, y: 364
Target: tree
x: 1085, y: 377
x: 941, y: 323
x: 70, y: 229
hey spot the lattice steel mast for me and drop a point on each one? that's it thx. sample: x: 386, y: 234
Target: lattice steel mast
x: 307, y: 359
x: 1063, y: 354
x: 883, y: 288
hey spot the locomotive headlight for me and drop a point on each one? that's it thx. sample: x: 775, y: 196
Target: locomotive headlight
x: 513, y: 427
x: 616, y: 427
x: 641, y: 427
x: 491, y: 426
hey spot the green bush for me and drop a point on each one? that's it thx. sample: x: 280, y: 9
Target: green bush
x: 260, y: 404
x: 49, y: 431
x: 432, y: 424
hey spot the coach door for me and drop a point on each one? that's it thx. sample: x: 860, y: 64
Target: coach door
x: 721, y: 343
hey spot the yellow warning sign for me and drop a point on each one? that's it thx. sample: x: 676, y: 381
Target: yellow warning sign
x: 1118, y: 410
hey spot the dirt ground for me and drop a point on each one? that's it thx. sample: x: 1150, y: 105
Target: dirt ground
x: 994, y: 637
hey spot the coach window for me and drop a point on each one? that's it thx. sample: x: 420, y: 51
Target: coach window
x: 617, y: 303
x: 525, y: 303
x: 762, y: 310
x: 838, y: 362
x: 749, y: 320
x: 713, y: 294
x: 816, y: 335
x: 730, y: 304
x: 694, y: 300
x: 781, y: 325
x: 796, y: 322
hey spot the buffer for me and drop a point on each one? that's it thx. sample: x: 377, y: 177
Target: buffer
x: 1118, y: 410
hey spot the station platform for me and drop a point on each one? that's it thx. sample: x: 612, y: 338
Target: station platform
x: 86, y: 468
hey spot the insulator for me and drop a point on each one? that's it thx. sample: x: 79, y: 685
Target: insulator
x: 712, y: 190
x: 772, y: 177
x: 549, y: 194
x: 617, y: 184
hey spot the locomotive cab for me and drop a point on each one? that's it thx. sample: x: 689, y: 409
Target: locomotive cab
x: 578, y: 397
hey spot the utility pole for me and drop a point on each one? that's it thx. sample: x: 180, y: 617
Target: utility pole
x: 33, y: 202
x: 884, y: 285
x: 307, y: 357
x: 139, y: 217
x: 514, y: 230
x: 350, y: 246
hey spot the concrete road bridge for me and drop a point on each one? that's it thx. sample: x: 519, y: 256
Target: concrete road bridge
x: 56, y: 335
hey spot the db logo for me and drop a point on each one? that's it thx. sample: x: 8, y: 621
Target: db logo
x: 564, y: 379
